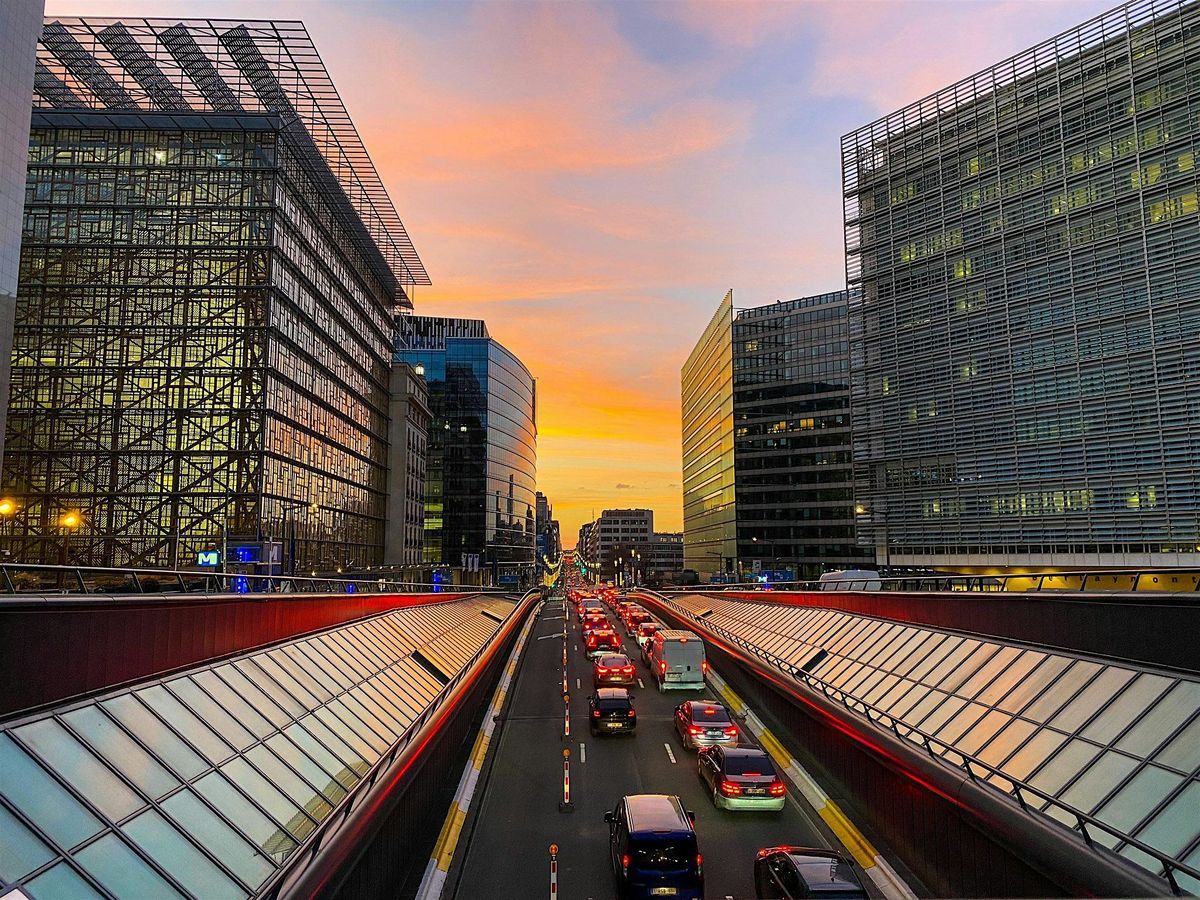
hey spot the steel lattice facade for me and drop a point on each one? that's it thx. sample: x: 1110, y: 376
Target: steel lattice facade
x: 203, y: 343
x: 1023, y: 256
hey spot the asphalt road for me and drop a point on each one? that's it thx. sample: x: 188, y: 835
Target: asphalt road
x: 515, y: 817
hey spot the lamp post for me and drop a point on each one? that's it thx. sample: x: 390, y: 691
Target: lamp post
x: 67, y: 523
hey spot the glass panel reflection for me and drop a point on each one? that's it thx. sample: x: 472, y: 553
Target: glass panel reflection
x: 42, y: 799
x: 1098, y: 781
x: 234, y: 851
x: 121, y: 871
x: 166, y: 846
x: 21, y: 851
x: 80, y: 768
x: 121, y: 751
x: 269, y: 836
x: 61, y: 882
x: 1179, y: 705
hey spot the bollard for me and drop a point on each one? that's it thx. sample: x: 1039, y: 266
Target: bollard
x: 566, y: 714
x: 566, y: 805
x: 554, y: 872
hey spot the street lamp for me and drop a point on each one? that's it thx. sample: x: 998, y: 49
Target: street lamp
x: 8, y: 506
x: 67, y: 522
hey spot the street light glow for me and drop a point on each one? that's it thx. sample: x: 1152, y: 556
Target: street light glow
x: 7, y: 507
x: 70, y: 519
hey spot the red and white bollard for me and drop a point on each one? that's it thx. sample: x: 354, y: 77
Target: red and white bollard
x: 566, y: 714
x: 566, y: 805
x: 554, y: 872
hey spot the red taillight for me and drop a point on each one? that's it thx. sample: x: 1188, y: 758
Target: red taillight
x: 731, y: 731
x: 699, y: 860
x: 729, y: 789
x: 662, y: 667
x: 632, y: 714
x: 595, y: 713
x: 628, y: 670
x: 704, y: 667
x: 602, y: 669
x: 695, y: 729
x: 777, y: 789
x: 625, y: 861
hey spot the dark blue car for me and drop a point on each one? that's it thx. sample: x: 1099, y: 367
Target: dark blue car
x: 653, y: 848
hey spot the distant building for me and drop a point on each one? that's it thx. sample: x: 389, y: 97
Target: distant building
x: 20, y: 25
x: 662, y: 558
x: 1023, y: 262
x: 617, y: 531
x: 209, y: 269
x: 583, y: 547
x: 408, y: 441
x: 768, y: 483
x: 482, y: 469
x: 549, y: 544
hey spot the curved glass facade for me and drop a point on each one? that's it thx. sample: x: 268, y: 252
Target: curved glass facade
x: 482, y: 458
x: 1023, y: 256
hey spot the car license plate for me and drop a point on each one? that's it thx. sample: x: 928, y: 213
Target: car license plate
x: 716, y: 732
x: 662, y: 892
x: 612, y: 724
x: 673, y: 676
x: 755, y: 792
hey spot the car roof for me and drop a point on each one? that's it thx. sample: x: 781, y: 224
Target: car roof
x: 612, y: 694
x: 656, y: 812
x: 744, y: 753
x: 716, y: 704
x: 608, y: 656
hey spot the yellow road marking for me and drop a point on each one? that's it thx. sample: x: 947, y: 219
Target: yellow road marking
x: 480, y: 750
x: 443, y: 851
x: 851, y: 837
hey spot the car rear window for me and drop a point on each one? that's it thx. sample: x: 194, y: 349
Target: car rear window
x: 830, y: 877
x: 613, y: 705
x: 745, y: 765
x: 614, y: 660
x: 664, y: 854
x: 715, y: 714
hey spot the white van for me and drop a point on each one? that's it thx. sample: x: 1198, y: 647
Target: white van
x: 677, y: 661
x: 851, y: 580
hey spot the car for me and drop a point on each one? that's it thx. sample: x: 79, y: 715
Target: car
x: 793, y: 872
x: 635, y: 616
x: 590, y: 603
x: 592, y: 619
x: 600, y: 641
x: 676, y: 660
x: 705, y: 723
x: 610, y: 711
x: 613, y: 668
x: 742, y: 778
x: 653, y: 848
x: 645, y: 631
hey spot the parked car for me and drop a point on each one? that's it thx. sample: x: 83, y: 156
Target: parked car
x: 741, y: 779
x: 676, y: 660
x: 653, y: 848
x: 795, y: 872
x: 610, y: 711
x: 613, y: 668
x: 705, y: 723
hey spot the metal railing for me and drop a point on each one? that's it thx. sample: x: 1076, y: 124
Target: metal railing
x: 976, y: 769
x: 1107, y: 580
x: 23, y: 578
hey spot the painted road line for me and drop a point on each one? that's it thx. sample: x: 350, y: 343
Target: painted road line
x: 878, y: 869
x: 582, y: 752
x: 545, y: 636
x: 641, y: 684
x: 670, y: 753
x: 443, y: 851
x: 577, y: 687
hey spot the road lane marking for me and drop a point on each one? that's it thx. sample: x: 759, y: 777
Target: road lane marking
x: 641, y: 684
x: 582, y: 752
x: 874, y: 865
x: 577, y: 647
x: 577, y: 684
x: 670, y: 753
x: 544, y: 636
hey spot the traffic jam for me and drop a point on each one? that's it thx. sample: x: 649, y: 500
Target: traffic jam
x: 654, y: 848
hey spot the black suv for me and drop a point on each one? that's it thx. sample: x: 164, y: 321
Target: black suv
x: 610, y: 711
x: 795, y: 872
x: 652, y: 846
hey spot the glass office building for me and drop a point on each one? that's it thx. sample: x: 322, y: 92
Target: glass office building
x: 480, y: 492
x: 20, y: 25
x: 1023, y: 257
x: 791, y: 440
x: 709, y: 509
x: 209, y: 269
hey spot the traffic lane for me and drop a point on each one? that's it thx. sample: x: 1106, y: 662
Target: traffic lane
x: 504, y: 853
x: 728, y: 841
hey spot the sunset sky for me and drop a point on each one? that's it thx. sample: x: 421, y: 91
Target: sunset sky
x: 592, y: 178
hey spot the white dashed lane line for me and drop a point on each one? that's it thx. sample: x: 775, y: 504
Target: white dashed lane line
x: 582, y: 752
x: 577, y: 684
x: 670, y: 753
x: 641, y: 685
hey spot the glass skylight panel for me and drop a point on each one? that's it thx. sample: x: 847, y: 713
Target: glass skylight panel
x: 1093, y: 697
x: 163, y: 843
x: 1137, y: 696
x: 21, y: 851
x: 1098, y: 781
x: 121, y: 871
x: 1149, y: 732
x: 1183, y: 751
x: 182, y: 720
x: 1032, y: 753
x: 61, y: 881
x: 1175, y: 827
x: 268, y: 835
x: 1057, y: 694
x: 121, y: 751
x: 232, y: 850
x: 1064, y: 766
x: 1028, y: 688
x: 1138, y: 797
x: 42, y: 799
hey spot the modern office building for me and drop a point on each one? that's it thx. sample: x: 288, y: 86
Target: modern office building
x: 1023, y: 258
x: 618, y: 534
x: 709, y: 508
x: 482, y: 467
x: 20, y: 25
x: 409, y: 418
x: 662, y: 558
x: 209, y: 269
x: 768, y: 480
x: 549, y: 544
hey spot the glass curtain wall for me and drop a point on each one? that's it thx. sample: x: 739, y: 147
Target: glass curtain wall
x: 791, y: 404
x: 709, y: 509
x: 1022, y: 252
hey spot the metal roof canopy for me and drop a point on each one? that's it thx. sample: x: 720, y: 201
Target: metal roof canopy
x: 229, y: 66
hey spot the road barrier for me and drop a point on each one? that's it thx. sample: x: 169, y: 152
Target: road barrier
x: 554, y: 872
x: 566, y: 805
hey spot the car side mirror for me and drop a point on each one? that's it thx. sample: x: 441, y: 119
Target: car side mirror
x: 609, y: 817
